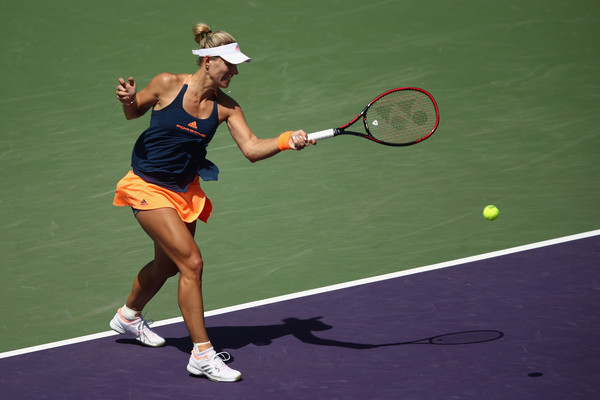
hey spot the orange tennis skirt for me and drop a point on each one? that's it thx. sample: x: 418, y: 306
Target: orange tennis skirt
x: 135, y: 192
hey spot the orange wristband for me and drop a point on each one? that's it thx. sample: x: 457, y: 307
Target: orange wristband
x: 283, y: 142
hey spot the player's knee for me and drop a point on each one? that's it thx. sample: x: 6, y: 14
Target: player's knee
x: 193, y: 268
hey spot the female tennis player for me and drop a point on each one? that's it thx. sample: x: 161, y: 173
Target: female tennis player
x: 163, y: 186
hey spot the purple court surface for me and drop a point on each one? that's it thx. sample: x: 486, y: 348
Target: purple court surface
x: 519, y: 326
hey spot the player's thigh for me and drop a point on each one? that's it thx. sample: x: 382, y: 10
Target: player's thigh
x: 172, y: 235
x: 163, y: 262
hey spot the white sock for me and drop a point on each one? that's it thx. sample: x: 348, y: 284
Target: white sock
x: 202, y: 352
x: 129, y: 313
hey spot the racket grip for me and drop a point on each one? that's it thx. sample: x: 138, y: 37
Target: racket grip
x: 326, y: 134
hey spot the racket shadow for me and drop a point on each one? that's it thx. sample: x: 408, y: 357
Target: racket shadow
x: 455, y: 338
x: 236, y: 337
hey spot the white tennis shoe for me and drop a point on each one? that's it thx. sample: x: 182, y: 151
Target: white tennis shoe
x: 212, y: 364
x: 138, y: 328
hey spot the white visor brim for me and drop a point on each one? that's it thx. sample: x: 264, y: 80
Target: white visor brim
x: 229, y: 52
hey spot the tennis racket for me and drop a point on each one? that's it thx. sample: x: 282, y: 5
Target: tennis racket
x: 398, y: 117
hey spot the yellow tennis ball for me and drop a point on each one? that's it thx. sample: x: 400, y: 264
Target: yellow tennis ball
x: 491, y: 212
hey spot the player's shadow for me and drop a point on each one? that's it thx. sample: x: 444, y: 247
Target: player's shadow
x: 236, y: 337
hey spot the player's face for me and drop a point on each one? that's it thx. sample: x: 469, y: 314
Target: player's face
x: 221, y: 71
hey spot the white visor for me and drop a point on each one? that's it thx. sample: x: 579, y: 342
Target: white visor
x: 230, y: 53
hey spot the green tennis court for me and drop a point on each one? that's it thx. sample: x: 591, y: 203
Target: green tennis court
x: 516, y: 84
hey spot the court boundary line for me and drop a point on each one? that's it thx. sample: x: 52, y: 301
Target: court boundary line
x: 324, y: 289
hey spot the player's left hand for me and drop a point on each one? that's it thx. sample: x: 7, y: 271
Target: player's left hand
x: 126, y: 91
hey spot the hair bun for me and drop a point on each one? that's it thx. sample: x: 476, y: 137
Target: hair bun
x: 201, y: 30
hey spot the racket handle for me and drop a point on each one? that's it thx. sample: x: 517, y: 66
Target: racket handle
x: 326, y: 134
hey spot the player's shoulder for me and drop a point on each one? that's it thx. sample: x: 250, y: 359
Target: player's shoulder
x: 227, y: 101
x: 165, y: 84
x: 167, y: 79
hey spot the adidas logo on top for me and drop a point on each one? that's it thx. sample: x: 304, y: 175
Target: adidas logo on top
x: 191, y: 127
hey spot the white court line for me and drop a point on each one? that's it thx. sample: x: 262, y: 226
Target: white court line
x: 312, y: 292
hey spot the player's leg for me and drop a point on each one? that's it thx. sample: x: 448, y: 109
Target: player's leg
x: 177, y: 242
x: 151, y: 278
x: 176, y: 246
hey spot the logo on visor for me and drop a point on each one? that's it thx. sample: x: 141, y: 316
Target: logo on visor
x: 237, y: 48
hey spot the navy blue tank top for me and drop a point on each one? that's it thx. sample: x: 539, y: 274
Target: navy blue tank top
x: 172, y: 151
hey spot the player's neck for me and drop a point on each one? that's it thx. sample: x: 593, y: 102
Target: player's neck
x: 202, y: 86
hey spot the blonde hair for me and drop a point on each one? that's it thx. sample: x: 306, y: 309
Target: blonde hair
x: 206, y: 38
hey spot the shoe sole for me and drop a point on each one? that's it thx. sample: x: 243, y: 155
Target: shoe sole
x: 195, y: 371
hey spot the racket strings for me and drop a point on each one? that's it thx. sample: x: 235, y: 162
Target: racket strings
x: 401, y: 117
